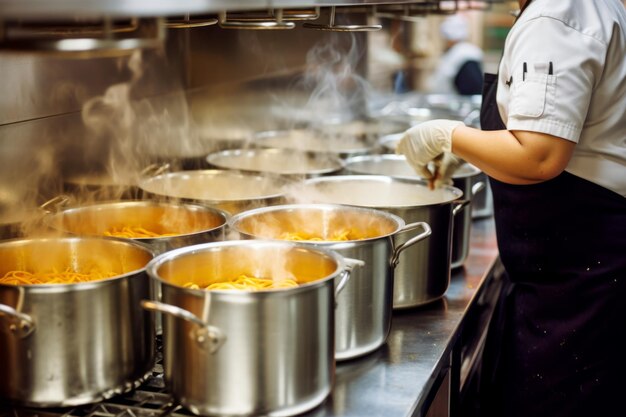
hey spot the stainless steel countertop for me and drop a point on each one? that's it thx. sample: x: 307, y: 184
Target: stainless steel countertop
x: 394, y: 380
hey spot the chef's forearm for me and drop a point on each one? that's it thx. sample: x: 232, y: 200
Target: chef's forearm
x: 513, y: 157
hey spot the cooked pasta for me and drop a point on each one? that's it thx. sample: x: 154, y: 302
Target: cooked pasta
x: 67, y: 276
x: 131, y: 232
x: 341, y: 235
x: 247, y: 283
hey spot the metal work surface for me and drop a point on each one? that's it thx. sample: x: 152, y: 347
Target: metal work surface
x: 394, y: 381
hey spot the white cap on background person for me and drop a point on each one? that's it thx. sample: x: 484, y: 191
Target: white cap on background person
x: 455, y: 28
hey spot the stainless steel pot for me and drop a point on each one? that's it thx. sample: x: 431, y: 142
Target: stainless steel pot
x: 243, y: 353
x: 423, y: 271
x: 69, y: 344
x: 482, y: 206
x: 288, y: 162
x: 183, y: 224
x: 363, y: 314
x: 463, y: 179
x: 227, y: 190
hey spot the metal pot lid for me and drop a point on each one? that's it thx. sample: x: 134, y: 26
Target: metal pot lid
x: 313, y: 141
x: 214, y: 185
x: 276, y: 161
x: 396, y: 166
x: 374, y: 191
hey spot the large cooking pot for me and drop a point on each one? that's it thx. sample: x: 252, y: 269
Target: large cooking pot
x: 289, y: 162
x: 363, y: 315
x: 69, y: 344
x: 228, y: 190
x: 423, y: 271
x: 243, y: 353
x: 463, y: 179
x: 174, y: 224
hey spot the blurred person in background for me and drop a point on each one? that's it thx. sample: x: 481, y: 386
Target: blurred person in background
x: 460, y: 67
x: 553, y: 142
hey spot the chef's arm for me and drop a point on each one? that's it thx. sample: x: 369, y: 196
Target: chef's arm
x: 514, y: 157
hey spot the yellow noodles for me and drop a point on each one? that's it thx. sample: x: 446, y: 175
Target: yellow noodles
x: 244, y: 282
x: 131, y: 232
x: 341, y: 235
x: 65, y: 277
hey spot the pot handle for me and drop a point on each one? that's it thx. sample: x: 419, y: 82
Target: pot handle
x: 22, y: 324
x: 347, y: 273
x: 153, y: 170
x: 205, y: 335
x: 478, y: 187
x: 400, y: 248
x: 55, y: 204
x: 458, y: 206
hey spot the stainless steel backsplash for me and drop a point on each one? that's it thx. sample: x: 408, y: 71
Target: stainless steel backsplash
x: 61, y: 116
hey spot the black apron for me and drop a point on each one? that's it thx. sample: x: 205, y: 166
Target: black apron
x: 557, y: 343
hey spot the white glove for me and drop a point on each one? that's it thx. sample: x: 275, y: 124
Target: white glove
x: 443, y: 167
x: 427, y: 148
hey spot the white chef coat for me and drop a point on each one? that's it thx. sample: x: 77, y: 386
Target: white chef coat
x: 583, y: 99
x: 442, y: 79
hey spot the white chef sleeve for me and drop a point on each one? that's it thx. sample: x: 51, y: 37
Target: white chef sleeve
x: 554, y: 68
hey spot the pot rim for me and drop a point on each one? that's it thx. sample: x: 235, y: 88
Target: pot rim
x: 472, y: 170
x: 260, y: 137
x: 400, y: 223
x: 135, y: 203
x: 458, y: 194
x: 160, y: 260
x: 335, y: 165
x: 54, y: 288
x: 281, y: 182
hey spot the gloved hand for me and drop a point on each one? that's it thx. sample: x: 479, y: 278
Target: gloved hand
x: 443, y: 167
x: 427, y: 148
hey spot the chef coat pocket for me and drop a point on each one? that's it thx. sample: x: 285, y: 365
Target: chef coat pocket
x: 529, y: 96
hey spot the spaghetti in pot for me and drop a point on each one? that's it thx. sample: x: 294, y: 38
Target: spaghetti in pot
x: 342, y: 235
x: 246, y: 283
x: 134, y: 232
x: 67, y: 276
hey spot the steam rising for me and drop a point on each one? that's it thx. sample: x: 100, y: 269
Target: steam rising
x: 139, y: 130
x: 338, y: 92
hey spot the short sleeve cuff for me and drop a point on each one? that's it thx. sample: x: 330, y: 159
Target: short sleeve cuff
x: 551, y: 127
